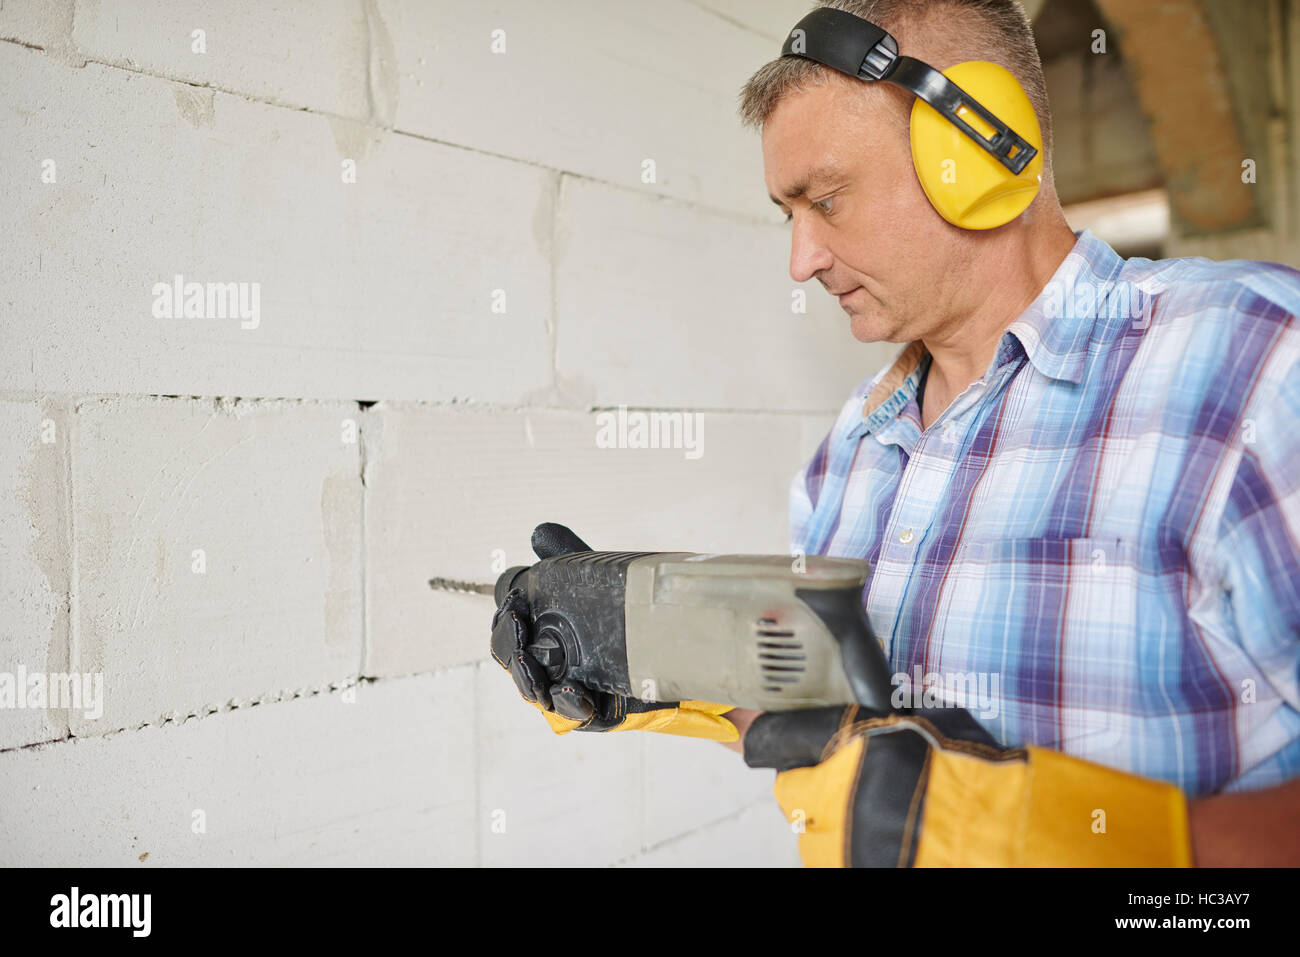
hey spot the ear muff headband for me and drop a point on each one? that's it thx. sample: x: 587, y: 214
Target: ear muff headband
x: 982, y: 173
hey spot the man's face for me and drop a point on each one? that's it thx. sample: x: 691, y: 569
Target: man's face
x: 861, y: 224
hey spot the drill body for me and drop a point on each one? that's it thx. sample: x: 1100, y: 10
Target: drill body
x: 754, y: 631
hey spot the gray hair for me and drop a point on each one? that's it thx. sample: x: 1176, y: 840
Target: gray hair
x: 998, y: 31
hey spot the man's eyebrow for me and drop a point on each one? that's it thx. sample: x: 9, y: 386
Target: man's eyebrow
x: 817, y: 175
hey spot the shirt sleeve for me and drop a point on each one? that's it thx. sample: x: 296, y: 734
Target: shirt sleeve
x: 1259, y: 536
x: 806, y: 486
x: 804, y: 490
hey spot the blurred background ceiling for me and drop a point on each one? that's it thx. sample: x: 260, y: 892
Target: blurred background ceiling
x: 1175, y: 122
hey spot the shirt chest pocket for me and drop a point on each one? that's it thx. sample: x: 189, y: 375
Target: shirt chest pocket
x: 1052, y: 624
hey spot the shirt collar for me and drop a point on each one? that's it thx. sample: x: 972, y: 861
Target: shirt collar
x: 1054, y: 334
x: 1057, y: 327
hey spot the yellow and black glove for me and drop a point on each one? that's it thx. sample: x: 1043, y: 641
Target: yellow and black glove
x: 569, y: 706
x: 931, y: 788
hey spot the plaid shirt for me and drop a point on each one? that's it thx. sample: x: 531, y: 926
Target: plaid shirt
x: 1103, y: 530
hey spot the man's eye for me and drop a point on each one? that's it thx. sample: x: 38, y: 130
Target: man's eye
x: 789, y: 217
x: 825, y: 204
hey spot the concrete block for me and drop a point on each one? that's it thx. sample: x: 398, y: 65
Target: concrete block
x: 413, y: 629
x: 664, y: 305
x: 313, y: 56
x: 691, y: 783
x: 385, y: 780
x: 814, y: 429
x: 218, y: 551
x: 456, y: 493
x: 548, y: 800
x: 382, y: 288
x: 35, y: 566
x: 598, y: 94
x: 771, y: 18
x: 39, y: 23
x: 757, y: 836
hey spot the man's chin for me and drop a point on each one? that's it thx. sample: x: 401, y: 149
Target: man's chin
x: 867, y: 328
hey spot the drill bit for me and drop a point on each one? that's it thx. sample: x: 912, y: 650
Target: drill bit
x: 469, y: 588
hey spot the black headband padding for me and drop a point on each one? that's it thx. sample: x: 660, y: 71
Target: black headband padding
x: 838, y: 39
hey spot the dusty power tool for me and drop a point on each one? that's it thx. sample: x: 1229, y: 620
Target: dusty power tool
x: 755, y: 631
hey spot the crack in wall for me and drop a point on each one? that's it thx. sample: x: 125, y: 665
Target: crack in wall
x: 197, y: 714
x: 431, y: 405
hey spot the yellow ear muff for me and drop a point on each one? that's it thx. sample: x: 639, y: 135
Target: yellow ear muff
x: 967, y: 186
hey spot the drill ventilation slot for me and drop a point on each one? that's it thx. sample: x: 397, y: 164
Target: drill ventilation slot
x: 780, y: 655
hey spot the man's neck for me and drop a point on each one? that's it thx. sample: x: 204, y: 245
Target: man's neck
x: 1007, y: 281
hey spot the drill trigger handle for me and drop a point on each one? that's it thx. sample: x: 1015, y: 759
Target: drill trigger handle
x: 863, y: 657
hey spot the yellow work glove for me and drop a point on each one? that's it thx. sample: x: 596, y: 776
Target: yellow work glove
x: 568, y: 706
x: 694, y: 719
x: 931, y: 788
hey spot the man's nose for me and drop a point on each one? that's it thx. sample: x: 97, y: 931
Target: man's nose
x: 808, y: 253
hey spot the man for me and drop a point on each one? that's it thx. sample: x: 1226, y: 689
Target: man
x: 1079, y: 480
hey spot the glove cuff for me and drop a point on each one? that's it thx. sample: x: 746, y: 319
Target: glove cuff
x: 1090, y: 815
x: 1049, y: 810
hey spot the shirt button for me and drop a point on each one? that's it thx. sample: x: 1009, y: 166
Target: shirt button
x: 905, y: 536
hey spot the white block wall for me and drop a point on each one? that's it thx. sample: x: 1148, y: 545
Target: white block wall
x: 235, y: 526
